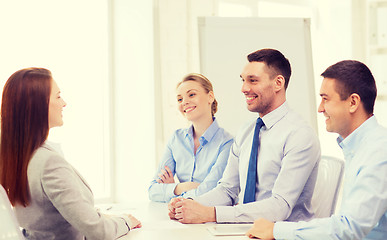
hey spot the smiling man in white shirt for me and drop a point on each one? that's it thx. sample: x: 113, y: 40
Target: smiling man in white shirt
x: 280, y: 179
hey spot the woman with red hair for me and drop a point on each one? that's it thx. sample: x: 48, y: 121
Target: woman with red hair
x: 50, y: 198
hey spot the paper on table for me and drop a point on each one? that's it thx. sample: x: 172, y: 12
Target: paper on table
x: 229, y: 230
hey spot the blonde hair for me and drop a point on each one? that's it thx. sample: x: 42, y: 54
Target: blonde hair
x: 206, y: 84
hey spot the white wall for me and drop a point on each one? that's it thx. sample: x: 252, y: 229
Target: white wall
x: 134, y: 121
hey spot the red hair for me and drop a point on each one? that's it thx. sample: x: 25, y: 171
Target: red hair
x: 24, y: 128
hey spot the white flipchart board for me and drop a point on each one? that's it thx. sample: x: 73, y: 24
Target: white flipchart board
x: 224, y: 45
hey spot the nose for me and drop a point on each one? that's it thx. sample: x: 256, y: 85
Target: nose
x: 320, y: 108
x: 245, y: 87
x: 64, y: 103
x: 184, y: 101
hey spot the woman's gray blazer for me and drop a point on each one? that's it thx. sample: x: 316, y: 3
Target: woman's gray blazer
x: 62, y: 203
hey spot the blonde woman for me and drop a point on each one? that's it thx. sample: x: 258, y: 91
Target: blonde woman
x: 196, y: 155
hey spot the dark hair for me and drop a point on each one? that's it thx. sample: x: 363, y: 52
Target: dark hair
x: 275, y: 61
x: 353, y: 77
x: 24, y: 128
x: 206, y: 84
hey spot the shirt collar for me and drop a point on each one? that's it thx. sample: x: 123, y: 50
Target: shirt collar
x: 53, y: 146
x: 189, y: 132
x: 354, y: 140
x: 207, y: 135
x: 274, y: 116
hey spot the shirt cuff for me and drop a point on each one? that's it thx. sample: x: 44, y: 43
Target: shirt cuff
x: 189, y: 194
x: 169, y: 193
x: 225, y: 214
x: 123, y: 229
x: 284, y: 230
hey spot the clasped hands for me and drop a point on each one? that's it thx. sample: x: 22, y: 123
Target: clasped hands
x: 190, y: 211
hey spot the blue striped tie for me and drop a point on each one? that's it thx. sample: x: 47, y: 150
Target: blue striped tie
x: 251, y: 180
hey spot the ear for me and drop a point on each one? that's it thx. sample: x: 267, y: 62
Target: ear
x: 211, y: 97
x: 354, y: 101
x: 279, y: 83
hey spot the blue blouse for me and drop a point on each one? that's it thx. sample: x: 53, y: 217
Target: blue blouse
x: 206, y: 167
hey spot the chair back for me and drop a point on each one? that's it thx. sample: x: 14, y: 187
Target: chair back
x: 328, y: 183
x: 9, y: 227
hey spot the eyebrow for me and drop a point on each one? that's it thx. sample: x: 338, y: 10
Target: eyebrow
x: 250, y: 76
x: 190, y: 90
x: 193, y: 89
x: 323, y: 95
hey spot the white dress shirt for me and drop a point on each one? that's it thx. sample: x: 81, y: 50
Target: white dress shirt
x: 287, y: 166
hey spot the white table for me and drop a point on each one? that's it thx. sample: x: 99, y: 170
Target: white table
x: 157, y: 225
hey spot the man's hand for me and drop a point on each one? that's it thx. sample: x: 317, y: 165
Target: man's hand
x: 165, y: 176
x: 262, y: 229
x: 190, y: 211
x: 172, y: 207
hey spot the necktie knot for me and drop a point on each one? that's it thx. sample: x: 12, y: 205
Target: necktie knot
x: 259, y: 123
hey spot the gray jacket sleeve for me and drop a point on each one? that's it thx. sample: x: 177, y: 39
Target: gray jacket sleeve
x: 72, y: 197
